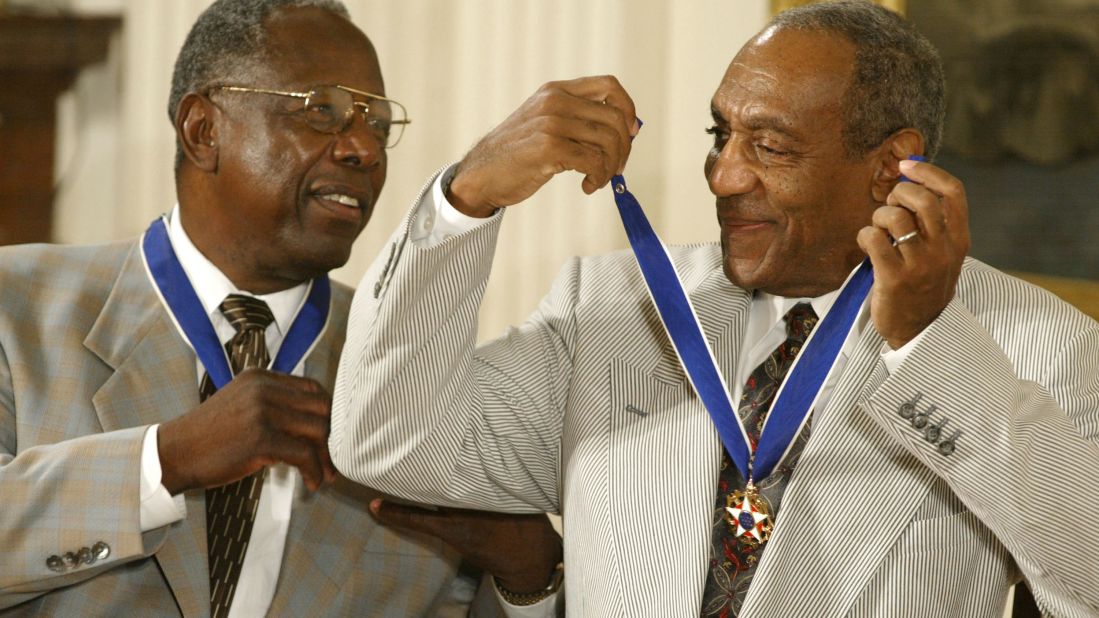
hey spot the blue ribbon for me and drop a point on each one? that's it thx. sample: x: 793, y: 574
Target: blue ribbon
x: 181, y: 301
x: 805, y: 379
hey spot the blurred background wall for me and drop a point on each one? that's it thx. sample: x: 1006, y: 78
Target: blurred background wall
x: 1023, y: 126
x: 461, y: 67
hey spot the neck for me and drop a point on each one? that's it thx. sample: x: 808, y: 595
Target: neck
x: 256, y: 283
x: 803, y: 289
x: 828, y: 275
x: 239, y: 266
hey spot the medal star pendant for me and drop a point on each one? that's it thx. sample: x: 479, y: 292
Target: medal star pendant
x: 747, y: 516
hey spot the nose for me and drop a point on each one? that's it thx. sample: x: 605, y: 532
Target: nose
x: 357, y: 146
x: 732, y: 170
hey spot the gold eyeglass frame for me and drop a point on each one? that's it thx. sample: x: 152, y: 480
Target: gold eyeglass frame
x: 306, y: 95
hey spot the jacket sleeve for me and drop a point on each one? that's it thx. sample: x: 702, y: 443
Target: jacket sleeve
x: 420, y: 413
x: 68, y: 511
x: 1014, y: 435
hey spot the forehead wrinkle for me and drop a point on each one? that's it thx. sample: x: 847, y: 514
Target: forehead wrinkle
x: 735, y: 84
x: 754, y: 71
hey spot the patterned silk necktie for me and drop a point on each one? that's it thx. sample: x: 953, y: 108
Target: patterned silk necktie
x: 231, y: 509
x: 733, y: 559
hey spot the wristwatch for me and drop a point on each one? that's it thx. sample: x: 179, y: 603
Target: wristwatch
x: 530, y: 598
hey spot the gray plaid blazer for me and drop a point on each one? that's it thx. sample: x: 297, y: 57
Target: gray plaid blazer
x: 583, y: 409
x: 88, y: 359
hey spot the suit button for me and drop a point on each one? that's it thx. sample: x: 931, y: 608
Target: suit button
x: 84, y: 556
x: 101, y: 550
x: 69, y: 560
x: 55, y: 564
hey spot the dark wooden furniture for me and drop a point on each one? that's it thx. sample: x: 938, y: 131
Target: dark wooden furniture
x: 40, y: 56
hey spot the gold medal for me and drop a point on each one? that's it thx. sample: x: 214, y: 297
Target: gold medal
x: 748, y: 516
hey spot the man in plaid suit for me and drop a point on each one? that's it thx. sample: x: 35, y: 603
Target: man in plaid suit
x: 106, y: 453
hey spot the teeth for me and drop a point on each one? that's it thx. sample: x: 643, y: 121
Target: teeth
x: 346, y: 200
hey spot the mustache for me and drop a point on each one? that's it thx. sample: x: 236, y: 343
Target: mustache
x: 742, y: 208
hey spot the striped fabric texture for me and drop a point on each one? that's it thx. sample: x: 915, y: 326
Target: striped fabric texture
x: 584, y: 410
x: 231, y: 509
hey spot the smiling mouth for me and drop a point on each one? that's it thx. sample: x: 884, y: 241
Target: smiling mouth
x: 339, y: 206
x: 735, y: 225
x: 339, y: 198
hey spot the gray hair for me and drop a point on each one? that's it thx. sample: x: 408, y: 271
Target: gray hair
x: 898, y: 75
x: 227, y: 39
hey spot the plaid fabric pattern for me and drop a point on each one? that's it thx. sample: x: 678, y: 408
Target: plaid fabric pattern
x: 88, y: 360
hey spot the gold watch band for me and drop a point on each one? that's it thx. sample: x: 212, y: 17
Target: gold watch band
x: 530, y: 598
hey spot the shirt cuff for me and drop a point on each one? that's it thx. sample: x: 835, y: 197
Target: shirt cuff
x: 436, y: 220
x: 158, y: 507
x: 546, y: 608
x: 893, y: 359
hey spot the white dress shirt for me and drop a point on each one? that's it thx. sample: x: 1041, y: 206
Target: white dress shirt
x: 260, y: 571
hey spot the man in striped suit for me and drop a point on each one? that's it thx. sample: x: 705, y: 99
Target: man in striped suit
x: 113, y: 470
x: 947, y: 454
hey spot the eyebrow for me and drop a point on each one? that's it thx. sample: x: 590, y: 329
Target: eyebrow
x: 760, y: 121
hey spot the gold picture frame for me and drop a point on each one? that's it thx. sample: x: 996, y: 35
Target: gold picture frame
x: 778, y: 6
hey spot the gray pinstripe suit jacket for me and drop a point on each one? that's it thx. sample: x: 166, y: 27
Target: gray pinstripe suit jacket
x: 876, y: 520
x: 88, y: 359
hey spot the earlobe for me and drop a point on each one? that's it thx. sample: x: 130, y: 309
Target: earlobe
x: 196, y: 129
x: 896, y: 148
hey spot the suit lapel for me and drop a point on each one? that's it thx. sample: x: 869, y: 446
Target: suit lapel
x: 723, y: 312
x: 663, y: 463
x: 330, y: 528
x: 851, y: 496
x: 154, y: 381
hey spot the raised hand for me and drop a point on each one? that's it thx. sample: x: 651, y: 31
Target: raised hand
x: 915, y: 279
x: 521, y: 551
x: 583, y: 125
x: 258, y: 419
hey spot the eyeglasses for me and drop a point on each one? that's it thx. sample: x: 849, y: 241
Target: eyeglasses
x: 331, y: 109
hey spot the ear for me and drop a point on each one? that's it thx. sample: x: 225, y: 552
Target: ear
x: 896, y: 148
x: 196, y: 129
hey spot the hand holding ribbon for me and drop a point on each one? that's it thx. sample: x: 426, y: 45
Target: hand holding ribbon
x: 255, y: 419
x: 916, y: 279
x: 583, y: 125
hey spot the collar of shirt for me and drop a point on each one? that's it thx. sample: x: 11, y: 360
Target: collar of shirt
x: 766, y: 330
x: 212, y: 286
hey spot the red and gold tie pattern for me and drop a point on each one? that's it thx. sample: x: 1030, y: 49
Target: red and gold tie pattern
x: 231, y: 509
x: 733, y: 559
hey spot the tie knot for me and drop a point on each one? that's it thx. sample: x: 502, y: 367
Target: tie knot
x: 800, y: 321
x: 245, y: 312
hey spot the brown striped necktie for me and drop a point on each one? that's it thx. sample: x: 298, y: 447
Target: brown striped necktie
x: 231, y: 509
x: 733, y: 559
